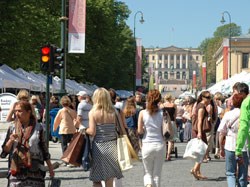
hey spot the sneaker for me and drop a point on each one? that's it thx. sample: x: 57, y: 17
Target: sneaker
x: 70, y: 165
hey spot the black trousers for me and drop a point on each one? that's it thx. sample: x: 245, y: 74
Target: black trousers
x: 66, y: 138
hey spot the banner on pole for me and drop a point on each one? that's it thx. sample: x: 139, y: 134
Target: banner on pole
x: 225, y: 58
x: 138, y: 61
x: 194, y: 79
x: 204, y: 75
x: 77, y: 26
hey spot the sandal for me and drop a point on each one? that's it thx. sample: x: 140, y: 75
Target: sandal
x: 168, y: 158
x: 217, y: 156
x: 194, y: 174
x: 201, y: 177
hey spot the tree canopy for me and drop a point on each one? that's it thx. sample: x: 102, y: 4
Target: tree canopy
x: 209, y: 46
x: 110, y: 50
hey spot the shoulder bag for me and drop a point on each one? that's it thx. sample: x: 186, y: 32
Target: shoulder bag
x: 167, y: 129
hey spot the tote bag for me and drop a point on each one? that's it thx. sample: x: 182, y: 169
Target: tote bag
x: 124, y: 158
x: 124, y: 155
x: 73, y: 153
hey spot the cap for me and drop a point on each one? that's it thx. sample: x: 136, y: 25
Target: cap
x: 82, y: 93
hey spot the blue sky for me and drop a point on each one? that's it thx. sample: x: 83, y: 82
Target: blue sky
x: 184, y: 23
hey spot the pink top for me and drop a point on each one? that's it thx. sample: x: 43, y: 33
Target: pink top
x: 65, y: 119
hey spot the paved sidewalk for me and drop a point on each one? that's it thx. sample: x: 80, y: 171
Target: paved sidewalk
x: 175, y: 173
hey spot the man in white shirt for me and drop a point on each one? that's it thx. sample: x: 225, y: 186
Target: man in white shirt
x: 83, y: 110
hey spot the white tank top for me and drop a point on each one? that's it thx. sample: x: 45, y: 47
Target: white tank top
x: 152, y: 127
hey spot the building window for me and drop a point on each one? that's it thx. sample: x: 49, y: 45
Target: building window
x: 183, y: 57
x: 245, y: 59
x: 153, y: 57
x: 159, y: 57
x: 183, y: 65
x: 177, y: 75
x: 172, y: 57
x: 160, y: 74
x: 165, y: 75
x: 178, y: 65
x: 190, y: 57
x: 178, y: 57
x: 197, y: 58
x: 184, y: 75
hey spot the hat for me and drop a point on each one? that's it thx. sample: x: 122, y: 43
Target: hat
x: 82, y: 93
x: 177, y: 102
x: 33, y: 97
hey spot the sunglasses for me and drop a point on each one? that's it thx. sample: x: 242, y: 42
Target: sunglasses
x: 207, y: 97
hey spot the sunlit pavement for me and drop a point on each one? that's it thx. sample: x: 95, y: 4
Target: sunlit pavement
x: 174, y: 173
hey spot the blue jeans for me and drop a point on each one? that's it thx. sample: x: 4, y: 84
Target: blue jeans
x: 231, y: 165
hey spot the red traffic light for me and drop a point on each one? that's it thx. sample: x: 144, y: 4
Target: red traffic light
x: 45, y: 50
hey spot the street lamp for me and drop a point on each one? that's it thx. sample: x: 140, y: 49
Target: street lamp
x: 134, y: 64
x: 223, y: 21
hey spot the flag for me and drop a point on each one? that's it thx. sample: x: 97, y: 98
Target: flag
x: 77, y: 26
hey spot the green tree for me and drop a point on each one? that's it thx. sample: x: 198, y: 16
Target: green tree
x: 209, y: 46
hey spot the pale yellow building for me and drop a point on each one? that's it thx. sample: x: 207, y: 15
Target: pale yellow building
x: 240, y: 60
x: 173, y: 67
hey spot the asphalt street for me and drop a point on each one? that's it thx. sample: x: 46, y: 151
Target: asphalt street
x: 174, y: 173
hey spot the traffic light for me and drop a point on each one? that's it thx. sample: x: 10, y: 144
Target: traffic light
x: 45, y: 57
x: 57, y: 58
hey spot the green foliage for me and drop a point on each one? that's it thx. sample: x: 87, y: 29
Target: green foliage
x: 209, y: 46
x: 109, y: 55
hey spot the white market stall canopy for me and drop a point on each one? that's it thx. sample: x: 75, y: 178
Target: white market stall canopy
x: 22, y: 79
x: 225, y: 86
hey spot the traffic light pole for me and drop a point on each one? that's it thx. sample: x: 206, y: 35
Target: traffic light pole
x: 63, y: 46
x: 47, y: 109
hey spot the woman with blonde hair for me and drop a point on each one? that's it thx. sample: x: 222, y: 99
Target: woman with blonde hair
x: 102, y: 128
x: 23, y: 95
x: 171, y: 108
x: 65, y: 119
x: 153, y: 145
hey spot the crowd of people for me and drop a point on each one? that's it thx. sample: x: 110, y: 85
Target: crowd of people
x: 142, y: 118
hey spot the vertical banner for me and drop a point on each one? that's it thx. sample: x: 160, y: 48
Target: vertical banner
x: 225, y: 58
x: 138, y: 61
x: 156, y: 80
x: 194, y: 79
x: 204, y: 75
x: 77, y: 26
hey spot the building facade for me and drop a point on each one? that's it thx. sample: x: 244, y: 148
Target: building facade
x: 173, y: 67
x: 240, y: 61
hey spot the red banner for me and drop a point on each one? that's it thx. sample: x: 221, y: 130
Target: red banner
x: 77, y: 26
x: 194, y: 79
x: 204, y: 75
x: 225, y: 58
x: 138, y: 61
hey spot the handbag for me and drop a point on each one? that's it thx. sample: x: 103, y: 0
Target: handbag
x: 206, y: 124
x: 167, y: 129
x: 86, y: 157
x: 73, y: 153
x: 54, y: 182
x: 124, y: 156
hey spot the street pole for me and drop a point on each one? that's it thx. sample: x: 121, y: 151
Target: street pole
x: 134, y: 64
x: 63, y: 20
x: 223, y: 21
x: 47, y: 108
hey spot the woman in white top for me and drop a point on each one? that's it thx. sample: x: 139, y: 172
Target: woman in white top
x: 229, y: 128
x: 153, y: 146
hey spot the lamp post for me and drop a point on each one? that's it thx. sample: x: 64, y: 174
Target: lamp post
x: 223, y: 21
x: 134, y: 64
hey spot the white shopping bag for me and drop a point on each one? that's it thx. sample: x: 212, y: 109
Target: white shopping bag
x: 195, y: 150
